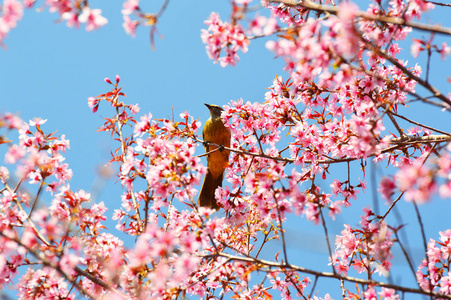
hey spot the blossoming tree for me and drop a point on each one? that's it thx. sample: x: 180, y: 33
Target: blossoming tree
x: 340, y: 106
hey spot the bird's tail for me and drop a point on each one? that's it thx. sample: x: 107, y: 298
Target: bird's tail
x: 207, y: 192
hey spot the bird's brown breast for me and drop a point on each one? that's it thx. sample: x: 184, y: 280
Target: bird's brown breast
x: 215, y: 132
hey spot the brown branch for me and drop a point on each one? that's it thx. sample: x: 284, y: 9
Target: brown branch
x: 326, y: 235
x: 364, y: 15
x: 392, y: 119
x: 97, y: 280
x: 288, y: 160
x: 396, y: 142
x: 36, y: 198
x: 272, y: 264
x: 439, y: 4
x: 391, y: 206
x: 216, y: 268
x: 209, y: 152
x: 421, y: 139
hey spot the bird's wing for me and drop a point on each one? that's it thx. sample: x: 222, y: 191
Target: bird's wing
x: 203, y: 138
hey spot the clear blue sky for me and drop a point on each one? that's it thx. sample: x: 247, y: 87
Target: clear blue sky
x: 49, y: 71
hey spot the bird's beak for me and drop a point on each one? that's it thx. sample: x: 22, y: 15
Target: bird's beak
x: 207, y: 105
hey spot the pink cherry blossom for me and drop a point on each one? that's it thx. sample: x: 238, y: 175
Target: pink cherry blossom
x: 130, y: 25
x: 92, y: 18
x: 300, y: 152
x: 223, y: 36
x: 11, y: 13
x: 129, y: 7
x: 445, y: 50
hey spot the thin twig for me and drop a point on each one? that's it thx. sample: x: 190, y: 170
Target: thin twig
x: 406, y: 255
x: 391, y: 206
x: 124, y: 150
x: 422, y: 125
x: 390, y: 116
x: 282, y: 233
x: 146, y: 207
x: 36, y: 198
x: 300, y: 291
x: 210, y: 152
x: 163, y: 8
x: 428, y: 62
x: 263, y: 243
x: 35, y: 228
x: 313, y: 286
x: 438, y: 3
x: 423, y: 235
x: 442, y: 105
x: 326, y: 234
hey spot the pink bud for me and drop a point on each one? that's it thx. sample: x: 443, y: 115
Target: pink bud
x: 107, y: 80
x: 118, y: 78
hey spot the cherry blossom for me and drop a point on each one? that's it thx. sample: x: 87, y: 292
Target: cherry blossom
x: 222, y: 35
x: 301, y: 152
x: 92, y: 18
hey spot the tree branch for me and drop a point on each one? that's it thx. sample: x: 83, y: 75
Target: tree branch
x: 124, y: 153
x: 367, y: 16
x: 396, y: 142
x: 272, y: 264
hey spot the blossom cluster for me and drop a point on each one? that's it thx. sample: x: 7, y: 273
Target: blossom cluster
x: 436, y: 265
x: 418, y: 180
x: 10, y: 13
x: 346, y: 83
x: 73, y: 12
x: 345, y: 78
x: 134, y: 16
x: 365, y: 249
x: 32, y: 231
x: 39, y: 155
x: 225, y: 36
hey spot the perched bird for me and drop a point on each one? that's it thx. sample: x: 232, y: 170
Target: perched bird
x: 214, y: 132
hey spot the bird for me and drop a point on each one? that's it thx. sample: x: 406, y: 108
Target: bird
x: 214, y: 132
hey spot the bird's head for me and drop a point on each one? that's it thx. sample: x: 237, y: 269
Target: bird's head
x: 215, y: 110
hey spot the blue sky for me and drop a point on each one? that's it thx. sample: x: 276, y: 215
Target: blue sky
x: 49, y: 71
